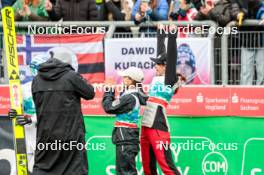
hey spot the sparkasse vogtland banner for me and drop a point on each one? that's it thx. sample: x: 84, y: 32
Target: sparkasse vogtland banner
x: 194, y: 55
x: 219, y: 142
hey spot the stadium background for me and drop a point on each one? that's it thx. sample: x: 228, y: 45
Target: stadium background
x: 238, y: 130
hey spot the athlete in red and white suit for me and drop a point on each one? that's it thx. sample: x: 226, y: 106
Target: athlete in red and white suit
x: 155, y: 134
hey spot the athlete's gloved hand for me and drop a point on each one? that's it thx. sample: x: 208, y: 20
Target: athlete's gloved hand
x: 23, y: 120
x: 20, y: 119
x: 12, y: 113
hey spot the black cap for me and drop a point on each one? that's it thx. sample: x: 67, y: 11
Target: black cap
x: 161, y: 59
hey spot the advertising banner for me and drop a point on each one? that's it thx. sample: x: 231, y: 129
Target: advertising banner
x: 200, y: 146
x: 189, y: 101
x: 194, y: 57
x: 87, y: 52
x: 4, y: 100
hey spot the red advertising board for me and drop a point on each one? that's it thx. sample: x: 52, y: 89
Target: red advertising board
x: 200, y: 101
x: 247, y: 101
x: 189, y: 101
x: 4, y: 100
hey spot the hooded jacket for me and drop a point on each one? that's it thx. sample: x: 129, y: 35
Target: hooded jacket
x: 126, y: 109
x: 57, y: 91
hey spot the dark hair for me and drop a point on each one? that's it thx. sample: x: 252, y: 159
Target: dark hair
x: 134, y: 82
x: 140, y: 87
x: 137, y: 84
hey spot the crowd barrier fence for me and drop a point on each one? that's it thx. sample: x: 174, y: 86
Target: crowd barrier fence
x: 225, y: 54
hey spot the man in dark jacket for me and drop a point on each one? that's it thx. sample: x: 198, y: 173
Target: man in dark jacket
x: 220, y: 12
x: 57, y: 91
x: 72, y: 10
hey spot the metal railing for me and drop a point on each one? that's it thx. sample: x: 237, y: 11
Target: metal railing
x: 113, y: 25
x: 226, y: 54
x: 233, y: 45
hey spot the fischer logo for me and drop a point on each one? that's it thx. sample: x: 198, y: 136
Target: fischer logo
x: 10, y: 39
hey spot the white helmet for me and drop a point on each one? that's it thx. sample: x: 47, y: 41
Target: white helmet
x: 36, y: 61
x: 133, y: 73
x: 65, y: 55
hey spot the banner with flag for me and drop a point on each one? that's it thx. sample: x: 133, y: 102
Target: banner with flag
x: 88, y: 49
x: 193, y: 62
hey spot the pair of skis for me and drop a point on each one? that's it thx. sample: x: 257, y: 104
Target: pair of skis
x: 15, y: 88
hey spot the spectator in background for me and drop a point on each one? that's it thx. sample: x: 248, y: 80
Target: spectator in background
x: 219, y: 11
x: 182, y: 10
x: 53, y: 2
x: 197, y: 4
x: 72, y: 10
x: 30, y: 10
x: 116, y: 10
x: 239, y: 9
x: 7, y: 3
x: 150, y: 10
x: 252, y: 43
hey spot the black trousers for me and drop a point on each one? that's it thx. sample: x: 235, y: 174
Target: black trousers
x: 125, y: 159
